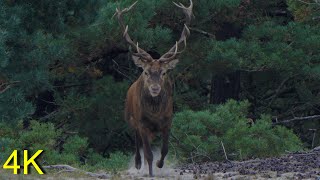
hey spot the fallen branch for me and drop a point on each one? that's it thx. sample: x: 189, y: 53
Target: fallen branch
x: 314, y: 136
x: 224, y: 150
x: 309, y: 3
x: 298, y: 119
x: 202, y: 32
x: 316, y: 18
x: 67, y: 168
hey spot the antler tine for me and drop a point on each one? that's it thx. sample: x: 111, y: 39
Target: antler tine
x: 125, y: 31
x: 186, y: 10
x: 117, y: 10
x: 129, y: 8
x: 175, y: 52
x: 171, y: 54
x: 140, y: 52
x: 180, y: 6
x: 138, y: 47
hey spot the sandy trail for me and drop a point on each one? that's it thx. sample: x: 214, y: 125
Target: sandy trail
x: 167, y: 172
x: 300, y: 165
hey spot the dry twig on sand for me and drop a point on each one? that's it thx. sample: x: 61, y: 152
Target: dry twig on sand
x: 67, y: 168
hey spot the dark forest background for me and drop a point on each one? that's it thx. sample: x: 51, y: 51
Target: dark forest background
x: 65, y: 70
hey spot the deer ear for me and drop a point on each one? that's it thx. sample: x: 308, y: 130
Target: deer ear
x: 138, y: 62
x: 172, y: 64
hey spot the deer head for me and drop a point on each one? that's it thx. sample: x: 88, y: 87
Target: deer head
x: 154, y: 70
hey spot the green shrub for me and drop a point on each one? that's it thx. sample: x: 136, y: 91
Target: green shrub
x: 198, y: 135
x: 43, y: 136
x: 260, y: 140
x: 40, y: 135
x: 116, y: 161
x: 6, y: 147
x: 75, y: 145
x: 74, y: 152
x: 100, y: 116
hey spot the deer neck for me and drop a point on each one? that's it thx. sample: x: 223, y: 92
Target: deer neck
x: 153, y: 104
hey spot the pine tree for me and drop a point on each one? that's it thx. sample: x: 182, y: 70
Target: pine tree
x: 55, y: 54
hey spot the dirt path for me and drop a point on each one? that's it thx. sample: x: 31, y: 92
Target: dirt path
x: 302, y: 165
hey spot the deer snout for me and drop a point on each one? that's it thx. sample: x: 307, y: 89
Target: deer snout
x: 155, y: 90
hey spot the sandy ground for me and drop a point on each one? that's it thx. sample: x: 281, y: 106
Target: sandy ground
x: 167, y: 172
x: 300, y: 165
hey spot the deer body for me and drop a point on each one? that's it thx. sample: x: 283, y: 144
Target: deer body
x: 149, y: 114
x: 154, y: 112
x: 149, y: 103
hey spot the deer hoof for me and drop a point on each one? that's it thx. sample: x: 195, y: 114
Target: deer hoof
x: 138, y: 164
x: 160, y: 164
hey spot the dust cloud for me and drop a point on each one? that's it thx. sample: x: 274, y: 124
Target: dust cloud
x: 166, y: 172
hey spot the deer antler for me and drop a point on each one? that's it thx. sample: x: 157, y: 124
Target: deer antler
x: 172, y: 53
x: 140, y: 52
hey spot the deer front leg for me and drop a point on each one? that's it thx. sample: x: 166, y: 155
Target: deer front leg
x: 138, y: 145
x: 164, y: 149
x: 147, y: 152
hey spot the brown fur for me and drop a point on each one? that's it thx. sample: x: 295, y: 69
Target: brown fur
x: 149, y: 115
x: 140, y: 104
x: 148, y: 107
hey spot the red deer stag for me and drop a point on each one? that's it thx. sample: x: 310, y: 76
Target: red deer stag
x: 148, y: 107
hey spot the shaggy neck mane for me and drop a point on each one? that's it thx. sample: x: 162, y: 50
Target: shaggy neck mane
x: 153, y: 104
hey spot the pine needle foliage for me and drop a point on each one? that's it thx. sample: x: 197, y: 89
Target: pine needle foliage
x: 199, y: 135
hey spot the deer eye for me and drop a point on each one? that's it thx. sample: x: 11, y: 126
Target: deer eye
x: 145, y: 73
x: 163, y: 74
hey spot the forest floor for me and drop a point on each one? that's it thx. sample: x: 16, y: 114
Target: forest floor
x: 299, y: 165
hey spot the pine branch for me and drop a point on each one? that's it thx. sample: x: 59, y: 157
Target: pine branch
x: 117, y: 69
x: 202, y: 32
x: 5, y: 86
x: 277, y: 91
x: 71, y: 85
x: 49, y: 116
x: 315, y: 117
